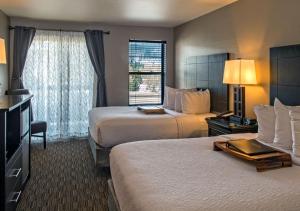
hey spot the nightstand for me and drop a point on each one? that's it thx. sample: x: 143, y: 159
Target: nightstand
x: 222, y: 126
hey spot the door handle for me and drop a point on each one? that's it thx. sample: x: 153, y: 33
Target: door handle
x: 16, y: 172
x: 15, y: 197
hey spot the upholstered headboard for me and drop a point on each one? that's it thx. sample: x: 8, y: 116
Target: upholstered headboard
x: 285, y: 74
x: 207, y: 72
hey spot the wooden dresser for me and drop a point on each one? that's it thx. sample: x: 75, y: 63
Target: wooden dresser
x: 15, y: 137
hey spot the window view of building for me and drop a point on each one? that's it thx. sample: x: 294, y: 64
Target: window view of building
x: 147, y: 64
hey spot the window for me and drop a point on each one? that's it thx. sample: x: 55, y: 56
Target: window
x: 60, y: 75
x: 147, y: 64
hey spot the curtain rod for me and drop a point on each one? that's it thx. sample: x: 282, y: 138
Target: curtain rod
x: 64, y: 30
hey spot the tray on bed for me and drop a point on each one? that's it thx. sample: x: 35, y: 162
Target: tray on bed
x: 262, y: 162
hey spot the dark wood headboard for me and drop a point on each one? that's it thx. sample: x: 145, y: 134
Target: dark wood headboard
x: 207, y: 72
x: 285, y: 74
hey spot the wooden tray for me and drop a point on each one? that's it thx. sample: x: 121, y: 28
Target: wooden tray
x: 262, y: 162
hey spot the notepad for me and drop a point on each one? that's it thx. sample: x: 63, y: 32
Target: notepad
x: 250, y: 147
x: 151, y: 109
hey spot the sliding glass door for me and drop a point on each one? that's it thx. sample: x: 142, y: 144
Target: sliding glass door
x: 59, y: 73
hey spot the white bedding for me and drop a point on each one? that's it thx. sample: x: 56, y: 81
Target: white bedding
x: 110, y: 126
x: 187, y: 175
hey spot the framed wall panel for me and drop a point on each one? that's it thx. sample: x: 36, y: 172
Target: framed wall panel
x: 285, y: 74
x: 207, y: 72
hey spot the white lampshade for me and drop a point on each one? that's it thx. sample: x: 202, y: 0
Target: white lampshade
x: 240, y: 72
x: 2, y: 52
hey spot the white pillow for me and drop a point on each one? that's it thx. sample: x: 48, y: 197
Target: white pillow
x: 165, y: 104
x: 283, y: 130
x: 295, y: 124
x: 266, y: 118
x: 169, y: 102
x: 178, y: 96
x: 196, y: 102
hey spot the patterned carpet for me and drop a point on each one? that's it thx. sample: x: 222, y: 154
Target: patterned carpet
x: 63, y: 177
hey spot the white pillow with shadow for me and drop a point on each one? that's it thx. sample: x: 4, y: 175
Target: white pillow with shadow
x: 178, y: 97
x: 266, y: 118
x: 169, y: 101
x: 196, y: 102
x: 165, y: 104
x: 295, y: 125
x: 283, y: 130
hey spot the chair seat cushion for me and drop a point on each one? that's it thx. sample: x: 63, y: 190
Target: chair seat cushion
x: 38, y: 127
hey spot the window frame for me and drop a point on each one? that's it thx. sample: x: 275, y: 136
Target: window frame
x: 161, y: 73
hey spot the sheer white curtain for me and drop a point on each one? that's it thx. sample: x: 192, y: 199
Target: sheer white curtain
x: 59, y: 73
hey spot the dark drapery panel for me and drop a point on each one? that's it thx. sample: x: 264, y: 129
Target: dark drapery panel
x: 95, y: 46
x: 23, y: 37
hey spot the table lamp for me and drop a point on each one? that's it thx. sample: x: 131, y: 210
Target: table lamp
x: 239, y: 72
x: 2, y: 52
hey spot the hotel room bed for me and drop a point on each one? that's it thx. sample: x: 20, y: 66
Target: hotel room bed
x: 186, y: 174
x: 110, y: 126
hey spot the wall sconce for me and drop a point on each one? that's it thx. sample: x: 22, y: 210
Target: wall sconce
x: 2, y: 51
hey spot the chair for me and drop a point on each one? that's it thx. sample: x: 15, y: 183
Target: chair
x: 37, y: 127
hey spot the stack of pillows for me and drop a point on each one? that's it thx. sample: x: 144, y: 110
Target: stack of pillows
x: 280, y: 125
x: 188, y: 101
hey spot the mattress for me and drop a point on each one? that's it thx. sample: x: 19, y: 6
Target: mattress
x: 187, y: 175
x: 110, y: 126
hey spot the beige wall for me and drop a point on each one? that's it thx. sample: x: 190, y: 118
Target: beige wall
x: 4, y: 33
x: 247, y: 29
x: 116, y: 51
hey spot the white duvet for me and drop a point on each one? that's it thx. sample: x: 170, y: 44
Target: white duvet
x: 187, y: 175
x: 110, y: 126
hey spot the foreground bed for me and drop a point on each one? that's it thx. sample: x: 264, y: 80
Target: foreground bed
x: 188, y: 175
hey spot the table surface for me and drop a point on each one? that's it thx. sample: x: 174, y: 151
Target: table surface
x: 9, y: 102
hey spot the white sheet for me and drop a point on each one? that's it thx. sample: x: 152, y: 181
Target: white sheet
x: 110, y: 126
x: 187, y: 175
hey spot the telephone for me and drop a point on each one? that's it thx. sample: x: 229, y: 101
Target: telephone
x: 237, y: 119
x: 247, y: 121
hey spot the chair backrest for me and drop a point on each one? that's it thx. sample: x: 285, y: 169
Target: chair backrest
x: 17, y: 92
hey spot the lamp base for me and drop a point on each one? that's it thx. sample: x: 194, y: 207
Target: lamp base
x: 239, y: 101
x: 236, y: 119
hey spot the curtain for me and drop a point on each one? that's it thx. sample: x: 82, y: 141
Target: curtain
x: 23, y: 37
x: 95, y: 46
x: 59, y: 73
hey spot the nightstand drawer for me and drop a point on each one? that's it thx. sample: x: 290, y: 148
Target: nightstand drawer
x: 217, y: 131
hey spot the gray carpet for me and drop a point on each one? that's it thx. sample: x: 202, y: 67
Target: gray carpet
x: 63, y: 177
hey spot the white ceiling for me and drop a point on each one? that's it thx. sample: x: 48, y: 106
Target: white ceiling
x: 166, y: 13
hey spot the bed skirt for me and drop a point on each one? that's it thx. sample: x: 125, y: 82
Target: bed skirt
x: 100, y: 154
x: 113, y: 204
